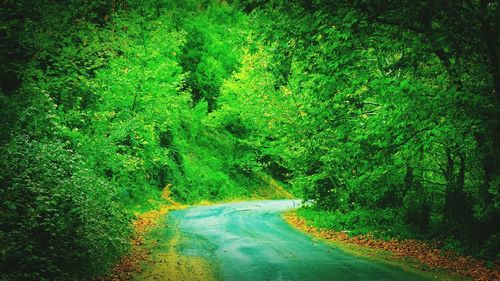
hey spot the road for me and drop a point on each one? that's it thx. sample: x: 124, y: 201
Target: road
x: 250, y: 241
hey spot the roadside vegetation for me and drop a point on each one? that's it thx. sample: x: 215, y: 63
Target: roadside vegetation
x: 386, y: 117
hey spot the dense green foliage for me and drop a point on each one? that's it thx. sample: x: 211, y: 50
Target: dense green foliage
x: 98, y: 118
x: 384, y: 116
x: 378, y: 111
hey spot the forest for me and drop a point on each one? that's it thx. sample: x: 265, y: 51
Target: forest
x: 383, y: 114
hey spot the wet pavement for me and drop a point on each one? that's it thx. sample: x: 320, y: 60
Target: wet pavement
x: 250, y: 241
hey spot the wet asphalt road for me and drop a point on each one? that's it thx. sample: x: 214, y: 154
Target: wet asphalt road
x: 250, y: 241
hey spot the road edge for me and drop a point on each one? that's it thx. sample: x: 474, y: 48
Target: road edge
x: 376, y: 254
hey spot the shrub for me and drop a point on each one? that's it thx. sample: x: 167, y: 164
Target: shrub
x: 58, y: 219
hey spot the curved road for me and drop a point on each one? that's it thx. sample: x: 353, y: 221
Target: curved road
x: 250, y: 241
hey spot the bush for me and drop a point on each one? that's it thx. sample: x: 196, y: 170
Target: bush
x: 58, y: 219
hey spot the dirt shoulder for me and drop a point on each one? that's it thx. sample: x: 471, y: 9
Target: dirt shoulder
x: 422, y: 255
x: 165, y: 262
x: 153, y: 253
x: 139, y: 253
